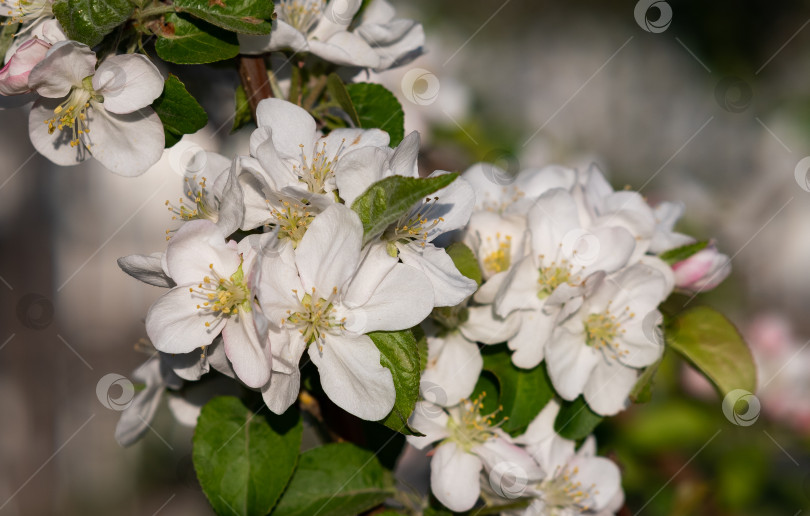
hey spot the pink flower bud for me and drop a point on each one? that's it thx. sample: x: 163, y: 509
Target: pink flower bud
x: 703, y: 270
x: 14, y: 76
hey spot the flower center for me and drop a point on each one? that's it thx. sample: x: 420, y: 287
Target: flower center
x: 25, y: 11
x: 301, y: 14
x: 553, y: 276
x: 224, y: 296
x: 293, y: 220
x: 471, y: 427
x: 602, y: 330
x: 315, y: 316
x: 501, y: 257
x: 200, y: 207
x: 71, y: 115
x: 563, y: 492
x: 319, y: 170
x: 417, y: 224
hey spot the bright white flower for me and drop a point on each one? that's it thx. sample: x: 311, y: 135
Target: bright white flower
x: 467, y: 443
x: 213, y: 295
x: 321, y: 28
x: 327, y: 293
x: 411, y: 237
x: 111, y: 101
x: 600, y: 349
x: 499, y: 191
x: 702, y: 271
x: 497, y: 240
x: 549, y: 283
x: 577, y: 481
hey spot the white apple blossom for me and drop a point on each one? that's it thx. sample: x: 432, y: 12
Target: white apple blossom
x: 103, y: 113
x: 601, y: 348
x: 212, y: 296
x: 577, y: 481
x: 411, y: 237
x: 321, y: 28
x: 467, y: 443
x: 326, y: 294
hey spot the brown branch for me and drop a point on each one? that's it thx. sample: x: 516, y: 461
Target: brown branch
x: 255, y: 80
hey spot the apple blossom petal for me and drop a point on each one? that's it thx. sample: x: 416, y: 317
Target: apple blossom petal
x: 282, y: 391
x: 340, y: 141
x: 146, y: 268
x: 569, y: 362
x: 488, y: 193
x: 450, y: 287
x: 489, y: 289
x: 175, y: 324
x: 65, y: 65
x: 454, y: 365
x: 135, y: 418
x: 531, y: 340
x: 188, y: 366
x: 283, y: 36
x: 453, y: 208
x: 500, y: 454
x: 601, y: 473
x: 534, y: 183
x: 485, y: 327
x: 335, y: 18
x: 196, y: 249
x: 454, y: 477
x: 128, y: 82
x: 330, y: 250
x: 553, y: 221
x: 14, y: 75
x: 352, y: 377
x: 359, y: 169
x: 248, y: 353
x: 346, y: 49
x: 126, y: 144
x: 397, y: 43
x: 375, y: 265
x: 290, y: 126
x: 615, y: 246
x: 405, y: 159
x: 430, y: 420
x: 54, y: 146
x: 608, y: 387
x: 519, y: 289
x: 218, y: 359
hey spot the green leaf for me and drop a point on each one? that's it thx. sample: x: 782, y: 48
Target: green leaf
x: 642, y: 391
x: 400, y: 354
x: 678, y: 254
x: 88, y: 21
x: 241, y: 114
x: 7, y: 35
x: 192, y: 41
x: 712, y: 344
x: 576, y: 420
x: 390, y: 198
x: 179, y: 111
x: 337, y: 89
x: 244, y: 459
x: 336, y: 480
x: 523, y: 392
x: 378, y: 107
x: 465, y: 261
x: 245, y: 16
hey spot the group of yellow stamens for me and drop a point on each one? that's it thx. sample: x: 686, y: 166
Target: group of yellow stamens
x: 500, y: 258
x: 301, y: 14
x: 562, y: 492
x: 553, y: 275
x: 223, y: 296
x: 292, y: 220
x: 71, y: 115
x: 316, y: 316
x: 25, y: 11
x: 418, y: 225
x: 602, y: 330
x: 472, y: 427
x: 318, y: 170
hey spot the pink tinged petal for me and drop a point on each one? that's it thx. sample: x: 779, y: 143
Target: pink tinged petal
x: 65, y: 65
x: 290, y: 125
x: 450, y: 287
x: 196, y: 246
x: 454, y: 364
x: 146, y: 268
x: 125, y: 144
x: 248, y: 352
x: 454, y: 477
x: 283, y: 36
x: 330, y: 250
x: 176, y: 325
x: 569, y: 362
x: 14, y: 75
x: 128, y: 82
x: 54, y: 146
x: 352, y: 377
x: 485, y: 327
x: 357, y: 170
x: 608, y: 387
x: 704, y: 270
x: 346, y: 49
x: 402, y: 300
x: 500, y: 455
x: 531, y: 340
x: 430, y: 420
